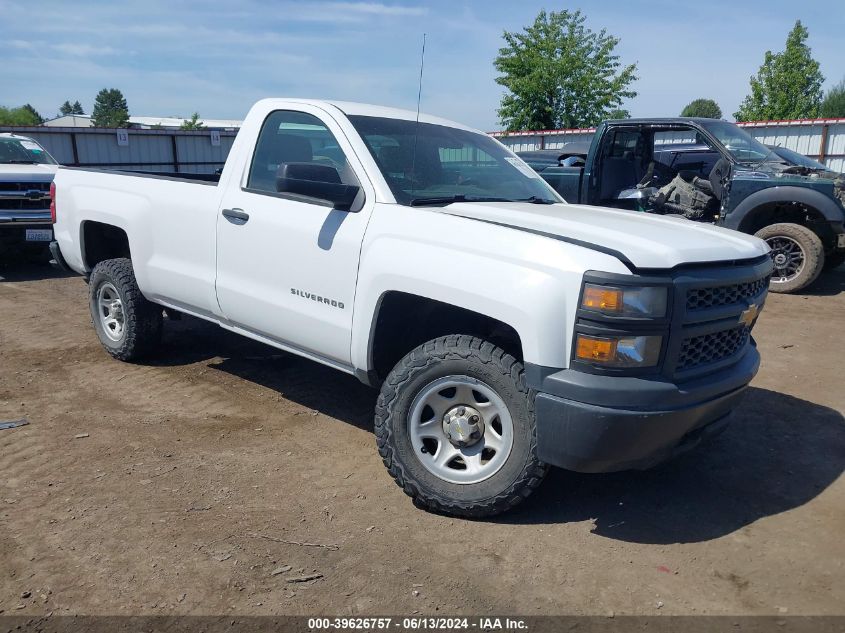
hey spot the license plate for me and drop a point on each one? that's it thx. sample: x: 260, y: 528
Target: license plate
x: 39, y: 235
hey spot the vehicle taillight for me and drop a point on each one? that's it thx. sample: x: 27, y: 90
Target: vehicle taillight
x: 53, y: 202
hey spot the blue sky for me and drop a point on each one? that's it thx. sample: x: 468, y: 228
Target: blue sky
x: 172, y: 57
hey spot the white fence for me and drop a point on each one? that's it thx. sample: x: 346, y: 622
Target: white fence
x: 821, y: 139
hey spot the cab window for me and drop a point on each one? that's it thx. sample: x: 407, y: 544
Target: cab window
x: 295, y: 137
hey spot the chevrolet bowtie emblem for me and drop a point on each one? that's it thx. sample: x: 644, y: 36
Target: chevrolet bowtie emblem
x: 747, y: 317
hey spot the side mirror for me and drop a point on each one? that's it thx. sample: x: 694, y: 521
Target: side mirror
x: 315, y: 181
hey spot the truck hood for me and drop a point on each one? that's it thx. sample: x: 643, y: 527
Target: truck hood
x: 644, y: 240
x: 27, y: 173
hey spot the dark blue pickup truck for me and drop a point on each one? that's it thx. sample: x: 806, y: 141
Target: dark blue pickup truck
x: 709, y: 171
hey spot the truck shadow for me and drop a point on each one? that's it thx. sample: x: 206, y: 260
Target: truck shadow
x: 829, y: 283
x: 11, y: 271
x: 778, y: 453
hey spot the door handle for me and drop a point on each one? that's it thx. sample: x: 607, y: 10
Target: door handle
x: 236, y: 216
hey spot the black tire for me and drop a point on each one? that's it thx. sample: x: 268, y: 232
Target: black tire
x: 476, y: 359
x: 142, y: 319
x: 834, y: 260
x: 812, y: 251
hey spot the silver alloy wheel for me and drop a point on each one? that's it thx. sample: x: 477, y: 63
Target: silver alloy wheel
x: 788, y: 257
x: 461, y: 430
x: 110, y: 311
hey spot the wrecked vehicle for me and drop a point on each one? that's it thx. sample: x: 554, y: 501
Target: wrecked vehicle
x: 709, y: 171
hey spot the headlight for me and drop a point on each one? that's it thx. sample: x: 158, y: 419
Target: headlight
x: 644, y: 301
x: 619, y: 351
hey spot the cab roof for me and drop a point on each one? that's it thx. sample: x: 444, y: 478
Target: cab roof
x: 351, y: 108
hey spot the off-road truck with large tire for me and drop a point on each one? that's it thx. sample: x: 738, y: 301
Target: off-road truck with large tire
x: 506, y: 330
x: 709, y: 171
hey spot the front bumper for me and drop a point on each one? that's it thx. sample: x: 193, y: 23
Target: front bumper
x: 598, y: 433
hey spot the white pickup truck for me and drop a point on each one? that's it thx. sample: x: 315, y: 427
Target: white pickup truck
x: 507, y: 330
x: 26, y: 171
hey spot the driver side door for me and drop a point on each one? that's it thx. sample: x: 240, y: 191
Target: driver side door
x: 287, y: 264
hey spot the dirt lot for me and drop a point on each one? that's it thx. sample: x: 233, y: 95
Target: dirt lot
x: 202, y: 476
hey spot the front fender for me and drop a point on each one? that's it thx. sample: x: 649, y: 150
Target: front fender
x: 529, y: 282
x: 736, y: 219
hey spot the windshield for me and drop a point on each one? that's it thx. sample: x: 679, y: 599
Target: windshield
x: 794, y: 158
x: 739, y: 143
x: 436, y: 164
x: 23, y: 151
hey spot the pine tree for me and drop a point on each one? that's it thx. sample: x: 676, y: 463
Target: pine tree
x: 110, y: 109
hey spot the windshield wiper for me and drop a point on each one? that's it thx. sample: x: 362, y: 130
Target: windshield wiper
x: 21, y: 162
x: 420, y: 202
x: 536, y: 200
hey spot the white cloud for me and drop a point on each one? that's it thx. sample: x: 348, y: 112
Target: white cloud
x: 85, y: 50
x: 372, y: 8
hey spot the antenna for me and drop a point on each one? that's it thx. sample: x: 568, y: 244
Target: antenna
x: 422, y: 65
x: 417, y: 124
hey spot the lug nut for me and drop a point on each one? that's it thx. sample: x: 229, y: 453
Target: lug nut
x: 461, y: 411
x: 474, y: 419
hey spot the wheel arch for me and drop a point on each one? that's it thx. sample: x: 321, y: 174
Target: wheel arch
x: 796, y: 205
x: 404, y: 320
x: 100, y: 241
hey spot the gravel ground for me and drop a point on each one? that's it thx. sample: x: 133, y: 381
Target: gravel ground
x: 228, y: 477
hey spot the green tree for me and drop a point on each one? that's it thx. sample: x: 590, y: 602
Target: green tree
x: 706, y: 108
x: 788, y: 84
x: 110, y: 109
x: 618, y: 113
x: 193, y: 123
x: 833, y: 105
x: 22, y: 116
x: 71, y: 108
x: 35, y: 115
x: 560, y: 74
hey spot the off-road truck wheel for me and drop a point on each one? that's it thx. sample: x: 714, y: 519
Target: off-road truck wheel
x: 798, y: 255
x: 455, y: 427
x: 128, y: 325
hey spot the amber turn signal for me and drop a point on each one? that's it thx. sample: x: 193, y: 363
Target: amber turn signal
x: 602, y: 299
x: 595, y: 349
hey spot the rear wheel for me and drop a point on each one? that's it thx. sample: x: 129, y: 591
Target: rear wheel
x: 797, y: 253
x: 455, y: 428
x: 127, y: 324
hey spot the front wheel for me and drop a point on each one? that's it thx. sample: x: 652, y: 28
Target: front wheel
x: 797, y: 253
x: 455, y: 427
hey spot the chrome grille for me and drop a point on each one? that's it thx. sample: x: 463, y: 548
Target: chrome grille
x: 24, y: 196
